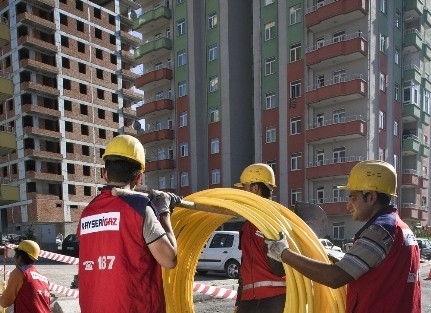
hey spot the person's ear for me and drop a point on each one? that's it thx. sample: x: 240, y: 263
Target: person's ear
x: 137, y: 180
x: 104, y: 174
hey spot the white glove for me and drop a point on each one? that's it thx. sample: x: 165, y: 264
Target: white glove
x: 276, y: 247
x: 164, y: 201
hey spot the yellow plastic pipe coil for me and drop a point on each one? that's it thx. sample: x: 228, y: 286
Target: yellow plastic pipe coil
x: 193, y: 228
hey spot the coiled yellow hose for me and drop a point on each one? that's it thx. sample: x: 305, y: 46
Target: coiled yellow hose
x: 193, y: 228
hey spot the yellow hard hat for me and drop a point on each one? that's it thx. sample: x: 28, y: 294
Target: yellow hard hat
x: 257, y: 173
x: 372, y: 175
x: 126, y: 146
x: 30, y: 247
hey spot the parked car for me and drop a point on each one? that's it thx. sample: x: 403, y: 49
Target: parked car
x: 328, y: 245
x: 425, y: 247
x: 70, y: 245
x: 221, y: 253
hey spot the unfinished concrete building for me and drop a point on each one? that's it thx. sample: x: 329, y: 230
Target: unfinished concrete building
x: 70, y: 63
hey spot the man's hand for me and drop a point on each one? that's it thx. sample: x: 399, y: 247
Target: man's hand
x: 164, y: 202
x: 276, y: 247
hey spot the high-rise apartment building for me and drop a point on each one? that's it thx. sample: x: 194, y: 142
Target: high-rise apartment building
x: 309, y: 87
x: 321, y: 86
x: 70, y: 64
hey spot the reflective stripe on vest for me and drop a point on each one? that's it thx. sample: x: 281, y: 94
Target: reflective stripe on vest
x: 265, y: 283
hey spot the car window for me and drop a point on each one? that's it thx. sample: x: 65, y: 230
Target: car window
x: 222, y: 241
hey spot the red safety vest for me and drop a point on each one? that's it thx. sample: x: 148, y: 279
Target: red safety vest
x: 393, y: 286
x: 34, y: 296
x: 117, y: 272
x: 255, y: 272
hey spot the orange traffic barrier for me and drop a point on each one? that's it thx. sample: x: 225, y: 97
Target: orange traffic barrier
x: 429, y: 276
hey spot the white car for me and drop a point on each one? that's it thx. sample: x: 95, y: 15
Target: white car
x: 328, y: 245
x: 221, y: 253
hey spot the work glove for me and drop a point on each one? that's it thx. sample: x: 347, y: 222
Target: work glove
x: 276, y: 247
x: 164, y: 202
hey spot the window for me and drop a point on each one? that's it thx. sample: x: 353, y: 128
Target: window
x: 397, y: 92
x: 65, y: 62
x: 295, y: 89
x: 79, y: 5
x: 337, y: 194
x: 215, y: 146
x: 184, y: 179
x: 182, y: 89
x: 269, y: 31
x: 339, y: 154
x: 295, y: 195
x: 82, y: 68
x: 339, y: 76
x: 80, y: 26
x: 320, y: 80
x: 270, y: 100
x: 295, y: 52
x: 181, y: 58
x: 397, y: 19
x: 411, y: 92
x: 270, y: 66
x: 65, y: 41
x: 338, y: 36
x: 213, y: 85
x: 395, y: 128
x: 339, y: 116
x: 159, y: 95
x: 99, y: 73
x: 426, y: 105
x: 381, y: 120
x: 81, y: 47
x: 383, y: 43
x: 99, y: 54
x: 320, y: 195
x: 215, y: 177
x: 63, y: 19
x: 397, y: 56
x: 338, y: 230
x: 212, y: 52
x: 295, y: 125
x: 320, y: 157
x: 383, y: 6
x: 184, y: 149
x: 97, y: 13
x: 180, y: 1
x: 268, y: 2
x: 162, y: 182
x: 382, y: 84
x: 295, y: 161
x: 320, y: 119
x: 295, y: 14
x: 214, y: 115
x: 183, y: 119
x: 212, y: 20
x: 181, y: 27
x: 271, y: 134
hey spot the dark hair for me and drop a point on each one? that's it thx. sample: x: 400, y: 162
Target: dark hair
x: 382, y: 198
x: 122, y: 170
x: 24, y: 256
x: 264, y: 190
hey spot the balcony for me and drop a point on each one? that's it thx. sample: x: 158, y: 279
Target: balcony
x: 4, y: 32
x: 425, y: 150
x: 341, y: 89
x: 411, y: 145
x: 162, y: 135
x: 49, y: 177
x: 423, y: 214
x: 131, y: 95
x: 412, y: 72
x: 44, y: 4
x: 426, y: 18
x: 409, y: 211
x: 130, y: 39
x: 7, y: 140
x: 43, y: 155
x: 38, y: 110
x: 336, y: 51
x: 153, y: 19
x: 331, y: 167
x: 324, y: 15
x: 37, y: 44
x: 413, y: 9
x: 154, y: 79
x: 425, y: 117
x: 412, y: 41
x: 159, y: 47
x: 132, y: 4
x: 158, y: 165
x: 154, y: 107
x: 8, y: 194
x: 410, y: 177
x: 42, y: 133
x: 424, y: 181
x: 128, y: 75
x: 40, y: 89
x: 6, y: 86
x: 39, y: 67
x: 333, y: 206
x: 426, y: 50
x: 411, y: 112
x: 345, y: 128
x: 129, y: 58
x: 36, y: 22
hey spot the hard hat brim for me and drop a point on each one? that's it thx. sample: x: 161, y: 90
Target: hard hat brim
x: 239, y: 185
x: 342, y: 187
